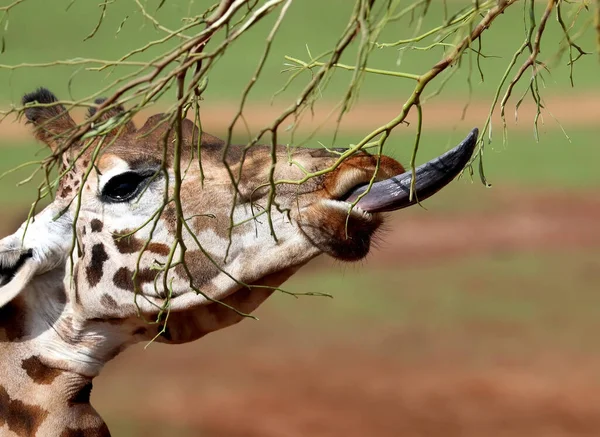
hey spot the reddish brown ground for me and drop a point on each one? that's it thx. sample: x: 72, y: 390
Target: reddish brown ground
x: 264, y: 387
x: 281, y: 378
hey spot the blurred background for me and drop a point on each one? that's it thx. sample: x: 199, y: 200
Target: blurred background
x: 477, y: 315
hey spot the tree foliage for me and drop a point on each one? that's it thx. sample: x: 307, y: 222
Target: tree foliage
x: 189, y: 53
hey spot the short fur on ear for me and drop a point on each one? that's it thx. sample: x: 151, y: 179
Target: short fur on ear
x: 115, y: 111
x: 15, y: 272
x: 51, y: 120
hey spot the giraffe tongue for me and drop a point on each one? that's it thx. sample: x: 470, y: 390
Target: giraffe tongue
x: 394, y: 193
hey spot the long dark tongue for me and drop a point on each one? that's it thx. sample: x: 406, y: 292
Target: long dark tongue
x: 394, y: 193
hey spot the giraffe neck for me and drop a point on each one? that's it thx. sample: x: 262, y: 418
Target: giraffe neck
x: 45, y: 375
x: 37, y: 400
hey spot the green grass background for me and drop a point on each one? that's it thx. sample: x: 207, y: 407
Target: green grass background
x: 41, y: 31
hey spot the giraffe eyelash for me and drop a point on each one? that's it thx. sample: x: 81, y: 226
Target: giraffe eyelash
x: 126, y: 186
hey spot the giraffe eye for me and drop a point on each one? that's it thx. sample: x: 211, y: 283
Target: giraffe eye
x: 124, y: 187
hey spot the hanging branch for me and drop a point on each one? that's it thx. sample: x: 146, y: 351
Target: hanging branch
x: 189, y: 55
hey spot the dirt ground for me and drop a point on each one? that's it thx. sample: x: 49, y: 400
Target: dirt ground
x: 272, y: 379
x: 352, y: 390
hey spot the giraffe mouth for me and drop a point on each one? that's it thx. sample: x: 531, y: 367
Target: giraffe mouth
x: 343, y: 227
x: 395, y: 193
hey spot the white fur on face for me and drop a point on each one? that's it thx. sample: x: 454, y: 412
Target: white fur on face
x: 121, y: 215
x: 112, y: 166
x: 49, y: 235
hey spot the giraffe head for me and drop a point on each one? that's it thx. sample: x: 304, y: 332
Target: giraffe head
x: 110, y: 253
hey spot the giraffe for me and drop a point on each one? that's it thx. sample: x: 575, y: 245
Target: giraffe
x: 78, y: 286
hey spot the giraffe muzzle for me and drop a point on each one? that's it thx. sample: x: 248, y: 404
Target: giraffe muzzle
x: 394, y: 193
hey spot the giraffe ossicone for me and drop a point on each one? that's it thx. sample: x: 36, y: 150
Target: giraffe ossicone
x: 80, y: 281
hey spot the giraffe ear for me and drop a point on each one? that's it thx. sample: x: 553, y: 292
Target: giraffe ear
x: 50, y: 119
x: 16, y: 270
x: 114, y: 113
x: 39, y: 245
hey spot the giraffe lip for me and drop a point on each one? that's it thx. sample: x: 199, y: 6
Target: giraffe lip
x: 394, y: 193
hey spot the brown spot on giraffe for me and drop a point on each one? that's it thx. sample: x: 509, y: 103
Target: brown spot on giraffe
x: 108, y: 301
x: 95, y: 268
x: 200, y: 267
x: 21, y: 418
x: 65, y: 191
x: 96, y: 225
x: 39, y: 372
x: 132, y: 244
x: 123, y: 278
